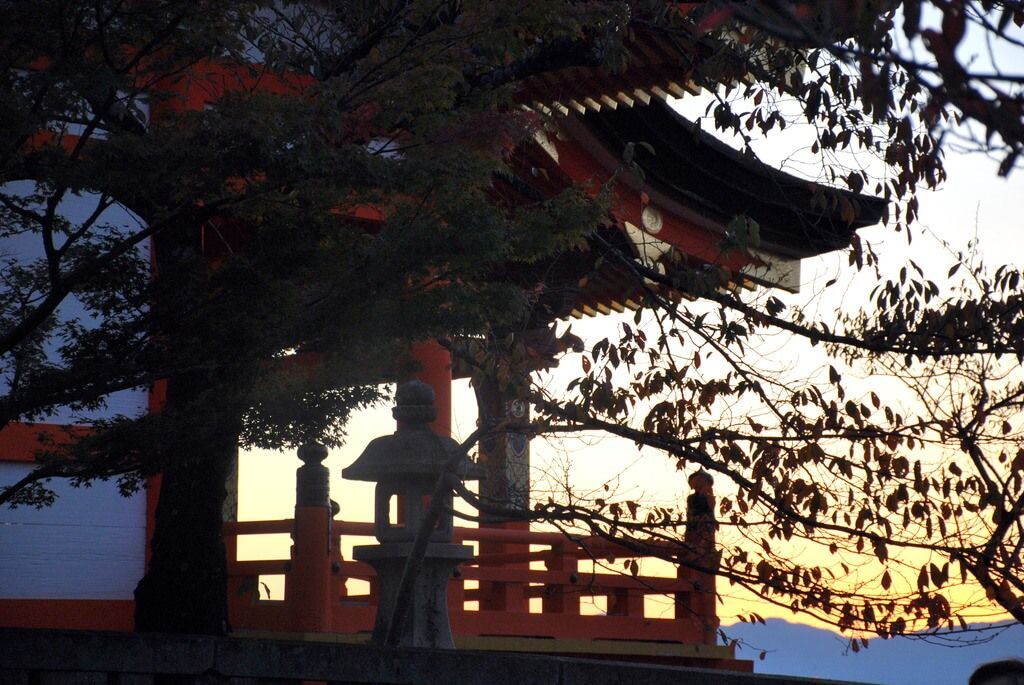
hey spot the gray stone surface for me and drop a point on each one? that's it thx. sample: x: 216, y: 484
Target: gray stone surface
x: 72, y: 678
x: 135, y: 679
x: 409, y: 465
x: 78, y: 657
x: 426, y: 622
x: 13, y: 677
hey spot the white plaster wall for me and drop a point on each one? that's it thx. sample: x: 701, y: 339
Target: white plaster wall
x: 89, y: 545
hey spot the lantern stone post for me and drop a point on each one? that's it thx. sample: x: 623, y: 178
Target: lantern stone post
x: 406, y: 466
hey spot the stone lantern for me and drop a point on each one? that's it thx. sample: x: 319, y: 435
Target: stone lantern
x: 407, y: 466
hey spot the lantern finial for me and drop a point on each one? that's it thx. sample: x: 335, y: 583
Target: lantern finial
x: 414, y: 406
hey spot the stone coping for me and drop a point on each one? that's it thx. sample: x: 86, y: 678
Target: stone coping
x: 38, y: 651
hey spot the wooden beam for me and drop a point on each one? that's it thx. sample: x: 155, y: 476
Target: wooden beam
x: 660, y: 93
x: 542, y: 108
x: 774, y: 270
x: 574, y: 104
x: 677, y: 89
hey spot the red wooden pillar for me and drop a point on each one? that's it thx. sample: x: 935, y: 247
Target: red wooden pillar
x: 436, y: 371
x: 308, y: 582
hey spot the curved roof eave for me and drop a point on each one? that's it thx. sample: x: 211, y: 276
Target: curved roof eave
x: 696, y: 171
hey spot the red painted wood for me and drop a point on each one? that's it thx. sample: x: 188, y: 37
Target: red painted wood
x: 74, y: 614
x: 20, y: 441
x: 560, y: 586
x: 496, y: 593
x: 436, y: 371
x: 693, y: 240
x: 308, y: 583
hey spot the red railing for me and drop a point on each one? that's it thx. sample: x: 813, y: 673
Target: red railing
x: 505, y: 585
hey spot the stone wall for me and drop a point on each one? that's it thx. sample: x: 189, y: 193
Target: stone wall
x: 29, y: 657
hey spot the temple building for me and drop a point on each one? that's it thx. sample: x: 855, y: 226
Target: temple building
x: 76, y: 565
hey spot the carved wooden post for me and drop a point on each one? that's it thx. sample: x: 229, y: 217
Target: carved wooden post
x: 700, y: 541
x: 560, y: 599
x: 308, y: 583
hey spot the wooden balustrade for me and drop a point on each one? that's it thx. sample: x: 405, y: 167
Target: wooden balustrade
x: 555, y: 574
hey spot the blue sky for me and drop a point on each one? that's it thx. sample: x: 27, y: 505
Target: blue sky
x: 795, y: 649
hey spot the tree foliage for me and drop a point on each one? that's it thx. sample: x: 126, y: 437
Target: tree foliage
x: 252, y: 202
x: 252, y: 207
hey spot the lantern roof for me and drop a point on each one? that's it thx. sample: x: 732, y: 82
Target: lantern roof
x: 413, y: 451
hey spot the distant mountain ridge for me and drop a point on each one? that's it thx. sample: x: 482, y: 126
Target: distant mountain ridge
x: 795, y: 649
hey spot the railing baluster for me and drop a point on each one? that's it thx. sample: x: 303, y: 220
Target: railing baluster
x: 626, y: 602
x: 507, y: 583
x: 562, y: 598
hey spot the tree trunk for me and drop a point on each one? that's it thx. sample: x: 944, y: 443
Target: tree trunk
x: 185, y: 586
